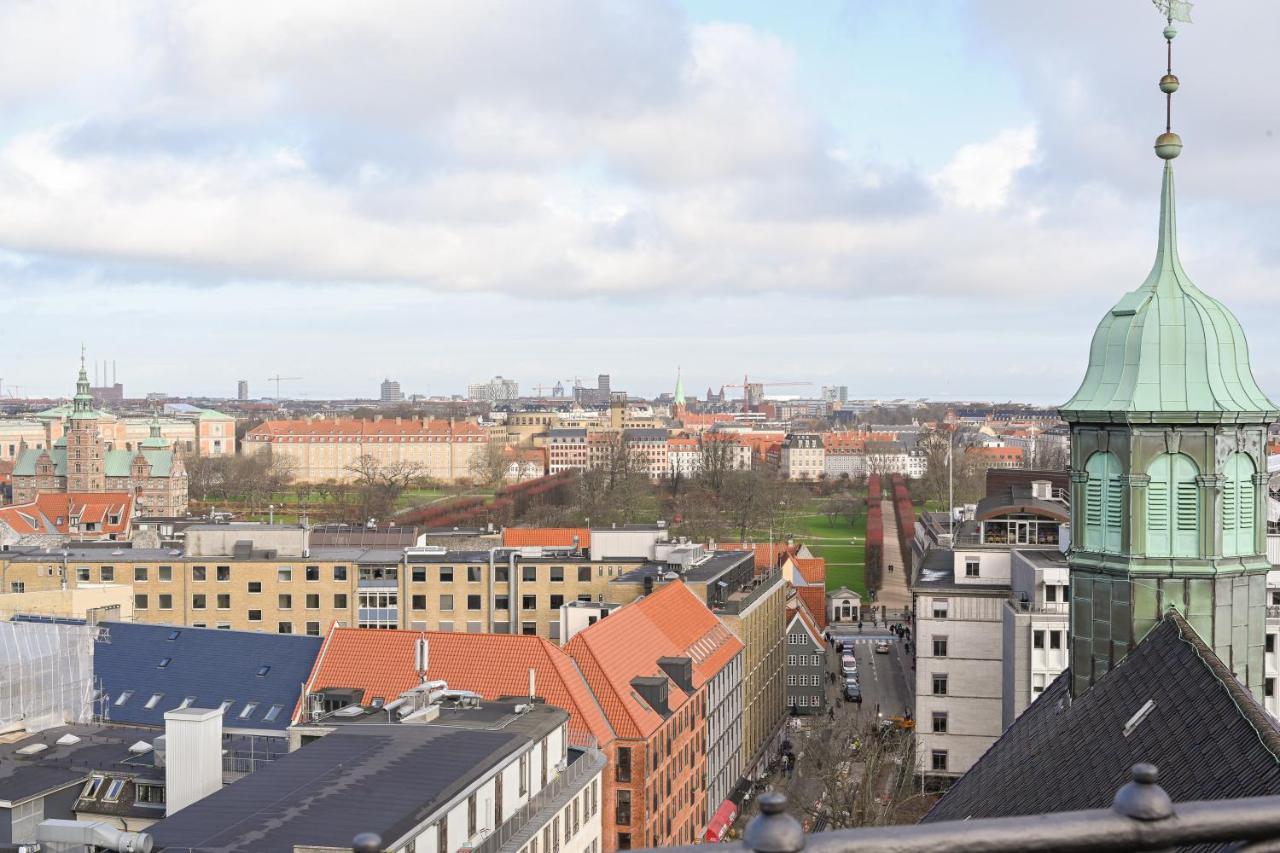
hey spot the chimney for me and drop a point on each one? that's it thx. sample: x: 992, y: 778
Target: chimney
x: 679, y: 670
x: 653, y: 690
x: 193, y: 756
x: 533, y: 683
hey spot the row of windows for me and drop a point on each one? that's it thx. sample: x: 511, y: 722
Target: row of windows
x: 418, y: 574
x: 804, y: 660
x: 804, y: 680
x: 222, y: 601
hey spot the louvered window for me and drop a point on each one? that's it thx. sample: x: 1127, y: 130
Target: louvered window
x: 1173, y: 507
x: 1238, y: 506
x: 1104, y: 503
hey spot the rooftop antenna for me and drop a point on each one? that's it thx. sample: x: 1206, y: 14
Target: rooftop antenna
x: 1169, y: 144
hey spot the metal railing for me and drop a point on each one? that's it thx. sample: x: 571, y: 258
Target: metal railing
x: 1027, y: 606
x: 522, y: 824
x: 740, y: 601
x: 1141, y: 817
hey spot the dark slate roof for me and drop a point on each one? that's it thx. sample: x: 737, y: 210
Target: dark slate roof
x: 102, y: 749
x: 1207, y: 735
x: 383, y: 779
x: 208, y: 664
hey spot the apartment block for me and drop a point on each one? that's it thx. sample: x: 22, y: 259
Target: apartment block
x: 327, y: 449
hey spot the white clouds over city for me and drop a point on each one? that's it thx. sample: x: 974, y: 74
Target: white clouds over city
x: 615, y: 163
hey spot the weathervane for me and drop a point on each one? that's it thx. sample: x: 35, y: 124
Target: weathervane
x: 1169, y: 144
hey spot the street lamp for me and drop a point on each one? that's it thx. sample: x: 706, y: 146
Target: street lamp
x: 271, y: 510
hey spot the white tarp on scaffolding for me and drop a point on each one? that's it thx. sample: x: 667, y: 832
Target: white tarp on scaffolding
x: 46, y: 675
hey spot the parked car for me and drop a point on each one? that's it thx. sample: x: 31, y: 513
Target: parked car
x: 846, y: 646
x: 852, y: 692
x: 882, y: 648
x: 848, y: 665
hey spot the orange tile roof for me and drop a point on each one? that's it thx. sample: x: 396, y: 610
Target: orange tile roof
x: 387, y: 427
x: 682, y: 443
x: 812, y: 569
x: 52, y: 513
x: 800, y: 609
x: 815, y: 603
x: 769, y: 555
x: 545, y: 537
x: 382, y: 664
x: 670, y: 622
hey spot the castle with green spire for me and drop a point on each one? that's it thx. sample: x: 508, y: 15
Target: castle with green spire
x: 1168, y: 466
x: 82, y: 462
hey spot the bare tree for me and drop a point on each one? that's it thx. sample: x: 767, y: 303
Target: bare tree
x: 379, y: 484
x: 489, y: 466
x: 751, y: 500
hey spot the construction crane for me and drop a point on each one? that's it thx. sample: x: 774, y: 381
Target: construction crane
x: 278, y: 379
x: 747, y: 385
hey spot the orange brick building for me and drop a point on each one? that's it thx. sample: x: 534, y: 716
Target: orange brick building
x: 655, y: 787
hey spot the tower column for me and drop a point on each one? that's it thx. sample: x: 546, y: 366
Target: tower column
x: 1134, y: 533
x: 1211, y: 518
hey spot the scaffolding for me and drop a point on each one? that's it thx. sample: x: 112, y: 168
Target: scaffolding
x: 46, y: 675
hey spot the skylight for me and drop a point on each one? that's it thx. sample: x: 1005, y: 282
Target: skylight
x: 226, y: 703
x: 154, y: 700
x: 91, y: 787
x: 248, y: 710
x: 1139, y: 716
x: 263, y: 670
x: 113, y: 791
x: 173, y: 635
x: 33, y: 749
x: 124, y: 697
x: 186, y: 702
x: 68, y: 740
x: 165, y: 662
x: 272, y: 713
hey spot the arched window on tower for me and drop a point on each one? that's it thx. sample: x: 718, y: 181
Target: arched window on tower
x: 1173, y: 507
x: 1239, y: 506
x: 1103, y: 503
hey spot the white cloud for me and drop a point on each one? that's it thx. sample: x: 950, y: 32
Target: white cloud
x: 980, y: 176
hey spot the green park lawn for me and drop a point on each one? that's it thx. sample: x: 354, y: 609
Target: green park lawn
x: 841, y: 544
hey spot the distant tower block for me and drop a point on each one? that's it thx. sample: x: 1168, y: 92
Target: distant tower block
x: 242, y: 389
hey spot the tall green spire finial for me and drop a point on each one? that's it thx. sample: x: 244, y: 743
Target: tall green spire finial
x: 1169, y: 144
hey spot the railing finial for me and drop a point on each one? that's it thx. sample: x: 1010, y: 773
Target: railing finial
x: 773, y: 830
x: 1142, y: 798
x: 367, y: 842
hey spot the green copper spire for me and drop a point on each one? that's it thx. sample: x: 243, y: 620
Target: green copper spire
x: 679, y: 398
x: 155, y: 441
x: 1167, y: 351
x: 82, y: 403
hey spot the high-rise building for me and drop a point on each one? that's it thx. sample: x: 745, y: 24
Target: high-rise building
x: 390, y: 392
x: 242, y: 389
x: 495, y: 390
x: 835, y: 393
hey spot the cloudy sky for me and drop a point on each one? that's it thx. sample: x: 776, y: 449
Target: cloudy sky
x: 910, y: 197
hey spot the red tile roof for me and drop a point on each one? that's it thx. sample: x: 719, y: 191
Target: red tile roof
x: 815, y: 602
x: 812, y: 569
x: 53, y: 513
x: 382, y: 664
x: 670, y: 622
x: 545, y: 537
x: 769, y: 555
x: 798, y: 609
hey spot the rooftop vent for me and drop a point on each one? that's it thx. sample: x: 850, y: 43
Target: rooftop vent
x: 67, y: 740
x: 32, y: 749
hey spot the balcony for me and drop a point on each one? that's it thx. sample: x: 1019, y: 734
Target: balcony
x: 527, y: 820
x: 1022, y: 605
x: 739, y: 600
x: 1141, y: 817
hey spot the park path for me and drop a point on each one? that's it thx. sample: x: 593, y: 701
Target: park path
x: 893, y: 592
